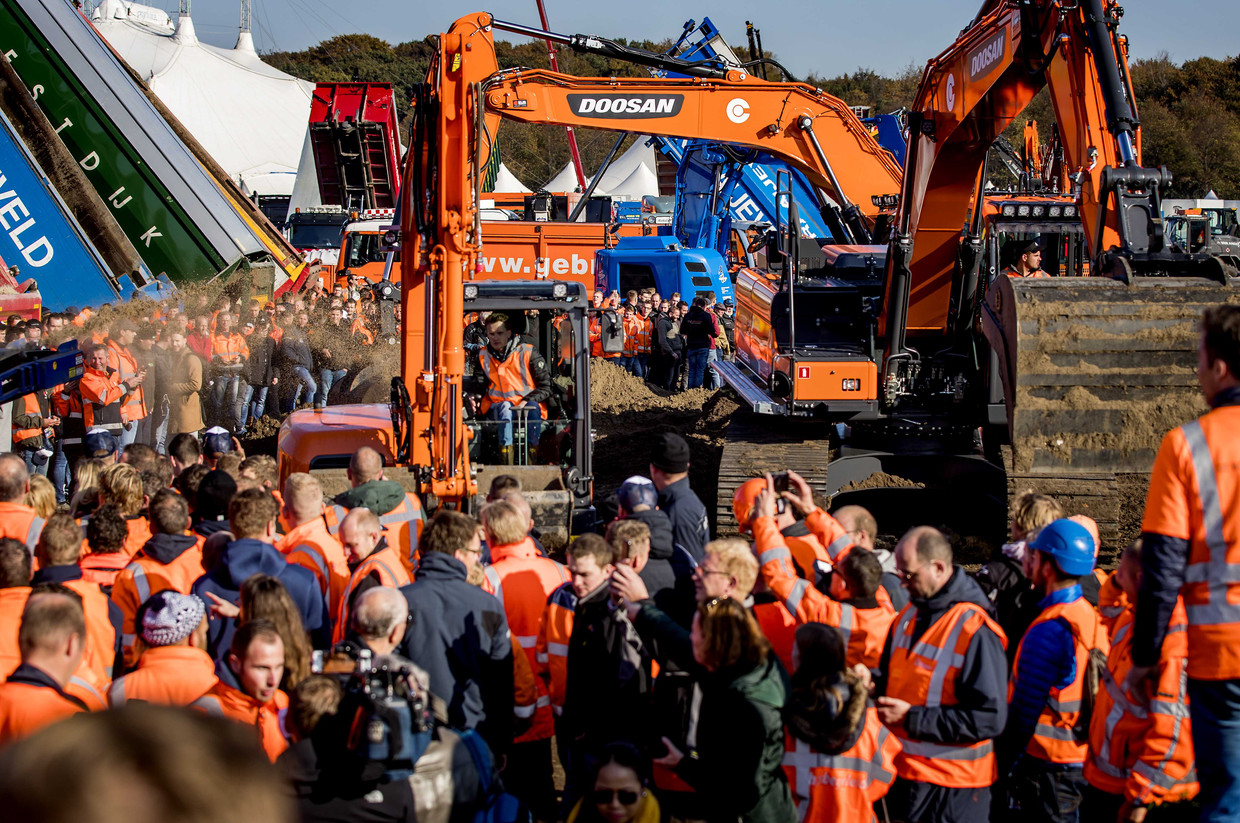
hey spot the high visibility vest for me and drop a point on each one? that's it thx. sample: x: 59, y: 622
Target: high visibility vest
x: 1144, y: 750
x: 133, y: 407
x: 90, y: 687
x: 25, y: 708
x: 311, y: 546
x: 1053, y: 738
x: 924, y: 673
x: 632, y: 327
x: 67, y: 403
x: 402, y: 527
x: 644, y: 330
x: 385, y: 563
x: 225, y: 701
x: 145, y: 576
x: 1111, y: 602
x: 103, y: 568
x: 509, y: 379
x: 19, y: 522
x: 1011, y: 271
x: 779, y: 627
x: 596, y: 337
x: 100, y: 651
x: 557, y: 630
x: 12, y: 604
x: 167, y: 676
x: 1194, y: 486
x: 844, y: 786
x: 30, y: 407
x: 101, y: 394
x: 522, y: 581
x: 229, y: 348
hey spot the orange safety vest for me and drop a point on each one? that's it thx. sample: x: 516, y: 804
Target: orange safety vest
x: 167, y: 676
x: 25, y: 708
x: 1144, y: 749
x: 386, y: 563
x: 67, y: 403
x: 844, y: 786
x: 1195, y: 484
x: 145, y: 576
x: 100, y: 652
x: 509, y: 379
x: 1111, y: 602
x: 229, y: 348
x: 30, y: 408
x: 632, y: 327
x: 133, y: 407
x: 778, y: 626
x: 1053, y: 738
x: 103, y: 568
x: 12, y: 604
x: 101, y: 394
x: 223, y: 700
x: 924, y: 673
x: 87, y: 686
x: 557, y: 630
x: 596, y: 337
x: 522, y: 581
x: 643, y: 328
x: 402, y: 527
x: 19, y: 522
x: 313, y: 547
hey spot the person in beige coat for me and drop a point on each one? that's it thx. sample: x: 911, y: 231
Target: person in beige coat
x: 184, y: 386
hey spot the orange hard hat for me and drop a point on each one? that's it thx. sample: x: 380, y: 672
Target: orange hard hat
x: 743, y: 499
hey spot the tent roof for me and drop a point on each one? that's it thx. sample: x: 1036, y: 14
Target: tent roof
x: 566, y: 180
x: 640, y: 182
x: 638, y: 154
x: 250, y: 117
x: 507, y: 183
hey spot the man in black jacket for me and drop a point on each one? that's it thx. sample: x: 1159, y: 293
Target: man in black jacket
x: 260, y: 373
x: 636, y: 500
x: 669, y: 469
x: 699, y: 328
x: 458, y: 633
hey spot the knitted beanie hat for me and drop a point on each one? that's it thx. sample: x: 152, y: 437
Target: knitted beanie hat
x: 171, y: 617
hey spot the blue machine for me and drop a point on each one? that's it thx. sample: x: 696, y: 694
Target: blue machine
x: 23, y: 371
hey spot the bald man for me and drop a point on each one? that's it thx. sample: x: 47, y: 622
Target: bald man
x: 399, y: 512
x: 863, y: 528
x: 307, y: 542
x: 942, y: 687
x: 372, y: 561
x: 379, y: 617
x: 17, y: 520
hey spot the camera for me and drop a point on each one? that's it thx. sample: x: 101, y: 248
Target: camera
x: 384, y: 720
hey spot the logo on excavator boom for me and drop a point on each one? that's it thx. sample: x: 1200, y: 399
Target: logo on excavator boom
x: 984, y: 58
x: 625, y: 106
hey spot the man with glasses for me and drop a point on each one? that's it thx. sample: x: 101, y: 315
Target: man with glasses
x: 942, y: 687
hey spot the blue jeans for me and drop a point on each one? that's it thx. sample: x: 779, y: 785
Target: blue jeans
x: 1215, y: 709
x: 712, y: 378
x: 328, y: 377
x: 697, y: 366
x: 626, y: 362
x: 60, y: 473
x: 643, y: 366
x: 225, y: 397
x: 504, y: 413
x: 256, y: 401
x: 31, y: 466
x: 127, y: 435
x: 302, y: 382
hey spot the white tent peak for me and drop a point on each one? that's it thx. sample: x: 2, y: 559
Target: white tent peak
x: 507, y: 183
x: 245, y: 43
x: 186, y: 35
x: 640, y: 182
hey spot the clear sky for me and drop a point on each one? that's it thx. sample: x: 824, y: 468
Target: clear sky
x: 826, y: 37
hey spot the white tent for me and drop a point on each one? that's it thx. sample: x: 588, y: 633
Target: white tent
x: 640, y: 182
x: 638, y: 154
x: 566, y: 180
x: 250, y: 117
x: 507, y: 183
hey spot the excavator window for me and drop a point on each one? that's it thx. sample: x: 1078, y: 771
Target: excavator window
x: 365, y: 248
x: 530, y: 434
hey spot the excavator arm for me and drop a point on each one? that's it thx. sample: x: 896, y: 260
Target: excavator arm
x: 456, y: 117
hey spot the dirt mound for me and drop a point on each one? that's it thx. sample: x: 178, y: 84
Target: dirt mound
x: 882, y: 480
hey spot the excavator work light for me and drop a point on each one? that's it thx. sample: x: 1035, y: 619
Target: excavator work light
x: 1022, y: 211
x: 471, y: 292
x: 1009, y: 211
x: 1069, y: 211
x: 559, y: 290
x: 1055, y: 211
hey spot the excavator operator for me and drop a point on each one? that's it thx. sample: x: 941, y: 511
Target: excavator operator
x: 1026, y: 259
x: 516, y: 383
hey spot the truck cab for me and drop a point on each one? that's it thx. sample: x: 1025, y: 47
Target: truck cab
x: 552, y: 459
x: 659, y: 261
x: 316, y: 232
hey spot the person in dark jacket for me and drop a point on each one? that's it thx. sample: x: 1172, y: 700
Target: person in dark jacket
x: 327, y: 347
x: 260, y: 372
x: 736, y: 731
x: 293, y: 366
x: 979, y: 710
x: 671, y: 347
x: 669, y: 469
x: 458, y: 633
x: 252, y: 515
x: 699, y: 328
x: 636, y: 500
x: 210, y: 512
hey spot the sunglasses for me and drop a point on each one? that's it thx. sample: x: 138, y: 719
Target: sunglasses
x: 602, y: 797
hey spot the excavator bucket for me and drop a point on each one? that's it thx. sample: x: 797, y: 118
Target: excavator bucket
x: 1095, y: 372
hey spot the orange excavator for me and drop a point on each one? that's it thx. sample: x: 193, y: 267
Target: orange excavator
x: 427, y: 428
x: 932, y: 367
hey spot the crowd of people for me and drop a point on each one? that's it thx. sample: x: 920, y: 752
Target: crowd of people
x: 667, y: 342
x: 800, y: 671
x: 156, y: 370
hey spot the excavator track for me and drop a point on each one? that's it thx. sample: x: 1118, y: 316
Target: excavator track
x: 759, y: 444
x: 1095, y: 372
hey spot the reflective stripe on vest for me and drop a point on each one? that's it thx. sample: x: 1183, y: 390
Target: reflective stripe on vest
x: 31, y: 409
x: 140, y: 583
x: 492, y: 577
x: 846, y: 622
x: 77, y: 681
x: 1216, y: 573
x: 116, y: 695
x: 32, y: 533
x: 804, y: 758
x: 510, y: 379
x: 339, y: 513
x: 211, y: 705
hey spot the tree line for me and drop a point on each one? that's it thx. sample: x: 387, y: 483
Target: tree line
x: 1190, y: 113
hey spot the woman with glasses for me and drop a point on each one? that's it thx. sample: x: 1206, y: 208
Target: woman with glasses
x: 621, y: 790
x: 735, y: 743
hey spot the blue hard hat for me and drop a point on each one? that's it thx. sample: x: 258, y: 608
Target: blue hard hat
x: 1069, y: 543
x: 637, y: 491
x: 217, y: 440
